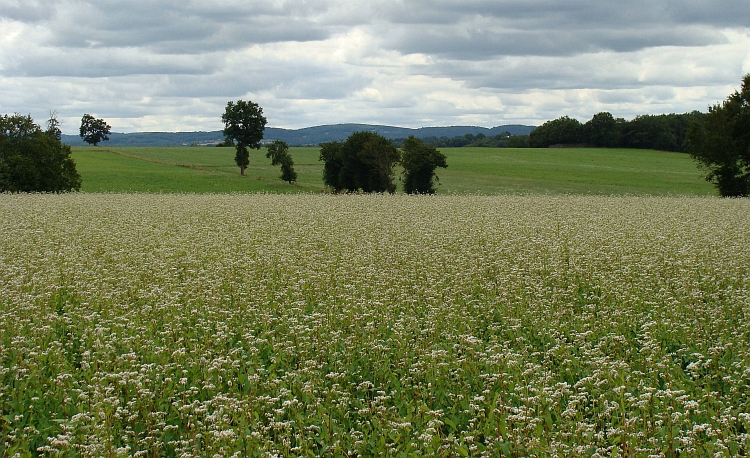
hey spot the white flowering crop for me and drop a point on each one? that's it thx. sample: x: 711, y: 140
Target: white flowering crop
x: 307, y: 325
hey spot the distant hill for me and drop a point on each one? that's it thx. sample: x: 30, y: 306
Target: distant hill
x: 304, y: 136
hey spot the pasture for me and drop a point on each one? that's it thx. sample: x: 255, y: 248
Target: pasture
x: 322, y: 325
x: 470, y: 170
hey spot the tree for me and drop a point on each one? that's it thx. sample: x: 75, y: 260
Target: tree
x: 33, y: 160
x: 53, y: 126
x: 333, y: 165
x: 278, y: 152
x: 518, y: 141
x: 94, y: 130
x: 721, y: 143
x: 560, y: 131
x: 243, y: 125
x: 602, y: 130
x: 420, y: 161
x: 364, y: 161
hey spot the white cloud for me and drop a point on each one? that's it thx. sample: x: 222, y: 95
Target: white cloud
x: 167, y: 65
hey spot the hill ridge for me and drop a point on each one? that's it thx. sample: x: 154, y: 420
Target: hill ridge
x: 303, y: 136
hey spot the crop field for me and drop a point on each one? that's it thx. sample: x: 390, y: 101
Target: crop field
x: 470, y: 170
x: 320, y: 325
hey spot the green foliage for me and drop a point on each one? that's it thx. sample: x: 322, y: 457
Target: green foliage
x: 602, y: 130
x: 227, y: 143
x: 560, y: 131
x: 666, y: 132
x: 660, y: 132
x: 419, y: 162
x: 721, y: 143
x: 32, y: 160
x: 278, y: 152
x: 94, y: 130
x: 333, y: 164
x: 242, y: 158
x: 243, y: 124
x: 53, y: 126
x: 364, y: 162
x: 518, y: 141
x: 480, y: 140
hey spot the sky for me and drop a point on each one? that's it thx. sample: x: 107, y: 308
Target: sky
x: 172, y: 65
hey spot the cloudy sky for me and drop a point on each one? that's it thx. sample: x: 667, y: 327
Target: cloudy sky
x: 172, y: 65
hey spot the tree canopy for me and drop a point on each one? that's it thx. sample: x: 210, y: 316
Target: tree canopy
x: 560, y: 131
x: 667, y: 132
x: 721, y: 143
x: 364, y: 161
x: 602, y: 130
x: 33, y: 160
x: 420, y: 161
x: 94, y: 130
x: 244, y: 124
x: 278, y: 152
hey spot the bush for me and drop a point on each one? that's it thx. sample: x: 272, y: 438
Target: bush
x: 363, y: 162
x: 32, y: 160
x: 420, y: 161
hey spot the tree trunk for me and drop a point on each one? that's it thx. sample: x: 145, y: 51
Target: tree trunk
x: 242, y: 171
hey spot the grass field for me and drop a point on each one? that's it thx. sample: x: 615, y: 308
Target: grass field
x: 322, y: 325
x: 470, y: 170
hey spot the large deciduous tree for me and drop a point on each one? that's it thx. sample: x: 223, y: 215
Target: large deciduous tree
x: 602, y: 130
x: 33, y: 160
x: 420, y: 161
x: 244, y: 124
x: 333, y: 167
x: 278, y: 152
x: 721, y: 143
x: 560, y: 131
x: 94, y: 131
x: 363, y: 162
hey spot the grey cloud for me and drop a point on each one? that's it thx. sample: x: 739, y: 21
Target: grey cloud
x: 727, y: 13
x: 103, y: 62
x: 174, y: 58
x: 170, y: 27
x: 483, y: 29
x: 189, y: 35
x: 600, y: 71
x: 480, y: 44
x: 284, y: 79
x: 27, y: 10
x: 550, y: 14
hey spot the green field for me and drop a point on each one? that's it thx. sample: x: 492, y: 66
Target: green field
x: 259, y: 325
x: 470, y: 170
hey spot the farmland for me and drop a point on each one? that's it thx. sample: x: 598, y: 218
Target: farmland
x: 470, y: 170
x: 304, y: 325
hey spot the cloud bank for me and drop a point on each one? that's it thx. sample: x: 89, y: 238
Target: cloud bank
x: 164, y: 65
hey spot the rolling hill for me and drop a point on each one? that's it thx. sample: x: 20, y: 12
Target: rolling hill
x: 305, y: 136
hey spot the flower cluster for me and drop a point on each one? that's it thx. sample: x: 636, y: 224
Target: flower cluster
x: 308, y: 325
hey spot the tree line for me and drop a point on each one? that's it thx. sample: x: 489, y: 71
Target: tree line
x: 480, y: 140
x: 666, y: 132
x: 660, y: 132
